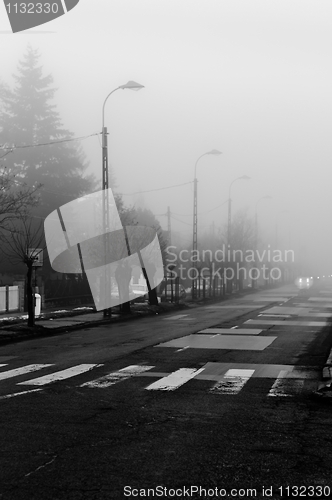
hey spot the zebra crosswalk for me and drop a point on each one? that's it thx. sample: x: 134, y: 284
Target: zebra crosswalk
x: 224, y: 378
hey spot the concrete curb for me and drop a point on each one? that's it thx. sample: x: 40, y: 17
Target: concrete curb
x: 324, y: 390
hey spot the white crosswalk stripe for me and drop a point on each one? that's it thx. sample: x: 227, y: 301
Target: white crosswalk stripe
x: 21, y: 371
x: 286, y: 387
x: 61, y: 375
x: 174, y: 380
x: 233, y: 381
x: 118, y: 376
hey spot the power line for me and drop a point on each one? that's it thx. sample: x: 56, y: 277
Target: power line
x: 187, y: 223
x: 215, y: 208
x: 11, y: 150
x: 48, y: 143
x: 158, y: 189
x: 200, y: 213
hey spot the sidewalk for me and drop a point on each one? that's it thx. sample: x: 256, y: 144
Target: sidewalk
x: 13, y: 326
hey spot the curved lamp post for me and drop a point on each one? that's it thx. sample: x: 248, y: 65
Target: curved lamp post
x: 212, y: 152
x: 129, y: 85
x: 132, y: 86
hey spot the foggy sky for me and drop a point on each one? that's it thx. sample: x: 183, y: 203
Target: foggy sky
x: 251, y: 78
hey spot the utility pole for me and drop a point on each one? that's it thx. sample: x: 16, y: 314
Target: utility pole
x: 107, y: 284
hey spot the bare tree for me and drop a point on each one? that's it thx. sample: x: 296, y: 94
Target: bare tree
x: 24, y: 241
x: 16, y: 197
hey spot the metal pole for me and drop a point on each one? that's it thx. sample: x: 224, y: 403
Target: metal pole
x: 229, y: 222
x: 194, y: 286
x: 253, y: 281
x: 106, y: 277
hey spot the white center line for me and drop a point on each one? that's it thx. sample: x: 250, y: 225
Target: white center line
x: 177, y: 316
x: 19, y: 393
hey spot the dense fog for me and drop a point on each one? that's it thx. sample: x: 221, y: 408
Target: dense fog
x: 250, y: 79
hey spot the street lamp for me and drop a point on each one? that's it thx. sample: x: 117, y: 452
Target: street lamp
x: 246, y: 178
x: 212, y: 152
x: 132, y: 86
x: 129, y: 85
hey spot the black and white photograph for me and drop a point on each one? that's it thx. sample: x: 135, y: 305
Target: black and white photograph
x: 165, y: 249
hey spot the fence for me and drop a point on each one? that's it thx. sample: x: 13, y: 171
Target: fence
x: 9, y: 298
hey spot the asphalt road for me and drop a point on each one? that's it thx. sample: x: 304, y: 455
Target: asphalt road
x: 212, y: 402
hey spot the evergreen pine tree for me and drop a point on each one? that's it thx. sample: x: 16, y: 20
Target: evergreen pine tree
x: 28, y: 117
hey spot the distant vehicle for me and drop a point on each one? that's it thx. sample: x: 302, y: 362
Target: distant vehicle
x: 304, y: 282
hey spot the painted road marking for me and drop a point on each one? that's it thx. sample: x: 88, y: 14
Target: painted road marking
x: 174, y: 380
x: 7, y: 396
x: 298, y: 311
x: 233, y: 330
x: 233, y: 382
x: 228, y: 378
x: 313, y: 306
x: 307, y: 314
x: 239, y: 306
x: 21, y: 371
x: 215, y: 371
x: 241, y: 342
x: 182, y: 348
x: 285, y: 322
x: 117, y: 376
x: 274, y: 315
x: 4, y: 364
x: 327, y: 314
x: 177, y: 316
x: 272, y: 299
x: 284, y: 387
x: 320, y: 299
x: 61, y: 375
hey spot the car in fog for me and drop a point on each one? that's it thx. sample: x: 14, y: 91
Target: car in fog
x: 304, y: 282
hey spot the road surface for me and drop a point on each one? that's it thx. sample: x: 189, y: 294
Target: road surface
x: 212, y: 402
